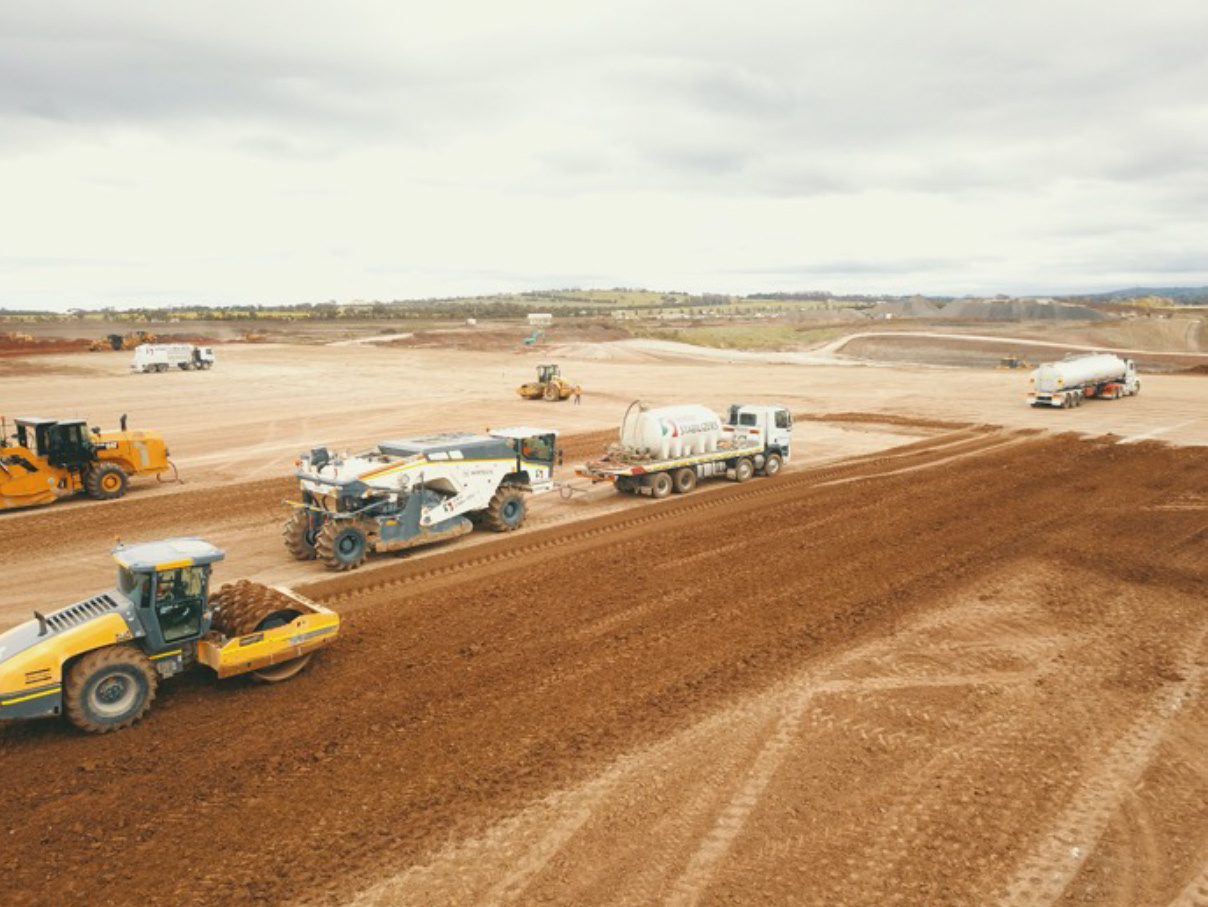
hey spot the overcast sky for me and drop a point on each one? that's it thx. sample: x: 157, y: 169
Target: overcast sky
x: 280, y: 152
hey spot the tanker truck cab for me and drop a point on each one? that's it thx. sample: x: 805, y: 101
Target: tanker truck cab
x: 770, y: 427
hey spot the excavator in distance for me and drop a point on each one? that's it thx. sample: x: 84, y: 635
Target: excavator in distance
x: 48, y: 459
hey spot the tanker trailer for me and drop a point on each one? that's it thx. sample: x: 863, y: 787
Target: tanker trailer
x: 1068, y: 382
x: 669, y: 448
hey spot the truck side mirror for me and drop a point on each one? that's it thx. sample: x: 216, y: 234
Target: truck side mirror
x: 559, y: 456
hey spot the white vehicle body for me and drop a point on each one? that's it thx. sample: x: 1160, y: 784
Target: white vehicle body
x: 159, y: 357
x: 686, y: 443
x: 409, y: 492
x: 1068, y: 382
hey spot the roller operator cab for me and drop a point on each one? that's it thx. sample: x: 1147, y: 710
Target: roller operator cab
x: 100, y: 661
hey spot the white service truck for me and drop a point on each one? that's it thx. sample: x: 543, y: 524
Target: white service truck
x: 415, y: 491
x: 159, y: 357
x: 670, y: 448
x: 1068, y: 382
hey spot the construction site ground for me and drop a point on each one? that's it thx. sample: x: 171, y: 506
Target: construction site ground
x: 955, y: 654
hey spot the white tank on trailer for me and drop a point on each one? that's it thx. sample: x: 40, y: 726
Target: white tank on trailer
x: 672, y: 431
x: 1077, y: 371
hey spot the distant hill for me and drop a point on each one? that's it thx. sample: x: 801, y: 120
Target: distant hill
x: 1182, y: 295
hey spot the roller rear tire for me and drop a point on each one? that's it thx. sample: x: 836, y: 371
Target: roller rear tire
x: 109, y: 689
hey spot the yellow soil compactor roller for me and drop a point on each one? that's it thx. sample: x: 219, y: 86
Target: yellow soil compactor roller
x: 100, y: 661
x: 550, y: 385
x: 49, y: 459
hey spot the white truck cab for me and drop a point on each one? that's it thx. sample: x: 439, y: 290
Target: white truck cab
x: 770, y: 427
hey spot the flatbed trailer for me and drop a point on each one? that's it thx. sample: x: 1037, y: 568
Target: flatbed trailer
x: 757, y: 442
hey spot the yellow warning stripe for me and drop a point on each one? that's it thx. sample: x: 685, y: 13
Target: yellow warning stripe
x: 166, y: 654
x: 51, y: 691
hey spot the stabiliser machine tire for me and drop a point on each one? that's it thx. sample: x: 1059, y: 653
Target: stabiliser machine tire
x: 105, y: 481
x: 109, y: 689
x: 299, y: 537
x: 551, y: 392
x: 507, y: 510
x: 341, y: 546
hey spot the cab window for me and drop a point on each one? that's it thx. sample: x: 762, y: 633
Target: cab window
x: 747, y: 419
x: 180, y: 601
x: 132, y: 585
x: 537, y: 448
x: 782, y: 419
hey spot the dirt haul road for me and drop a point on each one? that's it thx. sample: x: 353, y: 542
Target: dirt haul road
x: 970, y: 671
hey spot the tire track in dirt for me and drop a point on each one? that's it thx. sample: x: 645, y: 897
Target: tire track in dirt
x: 1046, y: 873
x: 453, y: 705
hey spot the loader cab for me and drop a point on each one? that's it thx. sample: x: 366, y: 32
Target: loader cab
x: 65, y: 445
x: 547, y: 373
x: 169, y: 584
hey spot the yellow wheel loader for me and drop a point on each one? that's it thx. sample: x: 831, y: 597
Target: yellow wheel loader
x: 50, y: 459
x: 100, y: 661
x: 550, y: 385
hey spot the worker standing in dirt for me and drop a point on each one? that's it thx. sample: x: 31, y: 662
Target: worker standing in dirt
x: 578, y: 394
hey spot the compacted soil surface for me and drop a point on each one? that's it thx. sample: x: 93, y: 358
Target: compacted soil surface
x: 966, y: 670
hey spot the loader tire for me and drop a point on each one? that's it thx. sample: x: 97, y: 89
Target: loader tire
x: 507, y: 510
x: 743, y: 470
x: 105, y: 481
x: 772, y: 465
x: 341, y: 546
x: 109, y: 689
x: 300, y: 537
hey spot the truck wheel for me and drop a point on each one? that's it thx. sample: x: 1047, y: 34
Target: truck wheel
x: 625, y: 485
x: 105, y: 481
x: 341, y: 546
x: 660, y: 485
x: 684, y: 479
x: 743, y: 470
x: 771, y: 465
x: 109, y: 689
x: 506, y: 510
x: 300, y: 536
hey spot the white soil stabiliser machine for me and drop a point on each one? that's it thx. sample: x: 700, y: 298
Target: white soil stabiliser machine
x: 416, y: 491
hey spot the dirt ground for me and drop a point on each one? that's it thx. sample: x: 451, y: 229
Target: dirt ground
x: 955, y: 654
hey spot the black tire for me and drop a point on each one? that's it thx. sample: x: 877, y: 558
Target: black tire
x: 109, y: 689
x: 507, y: 510
x: 106, y: 481
x: 660, y: 485
x: 743, y: 470
x: 300, y: 536
x: 626, y: 484
x: 684, y: 480
x: 772, y: 464
x: 341, y: 546
x: 551, y: 393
